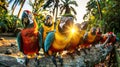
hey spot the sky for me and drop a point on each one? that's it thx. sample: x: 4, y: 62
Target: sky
x: 81, y: 9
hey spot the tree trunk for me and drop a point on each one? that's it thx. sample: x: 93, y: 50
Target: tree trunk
x: 21, y: 8
x: 99, y: 9
x: 13, y: 7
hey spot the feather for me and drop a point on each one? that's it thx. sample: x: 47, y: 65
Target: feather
x: 40, y: 40
x: 49, y: 40
x: 19, y: 41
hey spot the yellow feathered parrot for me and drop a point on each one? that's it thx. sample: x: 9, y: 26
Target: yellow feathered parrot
x: 75, y: 40
x: 58, y: 40
x: 89, y: 38
x: 47, y: 27
x: 77, y: 37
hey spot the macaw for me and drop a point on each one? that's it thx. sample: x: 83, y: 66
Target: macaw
x: 29, y: 39
x: 112, y: 38
x: 89, y: 38
x: 98, y: 36
x: 83, y: 27
x: 75, y: 40
x: 47, y: 27
x: 58, y: 40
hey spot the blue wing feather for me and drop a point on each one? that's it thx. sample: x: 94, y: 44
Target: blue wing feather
x: 19, y: 41
x: 41, y: 30
x: 49, y: 40
x: 40, y: 40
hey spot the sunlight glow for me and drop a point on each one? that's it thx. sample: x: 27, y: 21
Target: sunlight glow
x: 73, y: 30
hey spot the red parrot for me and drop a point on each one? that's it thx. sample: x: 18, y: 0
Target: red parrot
x: 98, y: 36
x: 29, y: 39
x: 112, y: 37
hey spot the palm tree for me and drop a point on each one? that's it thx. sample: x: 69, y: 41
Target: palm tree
x: 21, y: 6
x: 36, y: 5
x: 54, y: 4
x: 105, y: 13
x: 16, y: 2
x: 67, y: 6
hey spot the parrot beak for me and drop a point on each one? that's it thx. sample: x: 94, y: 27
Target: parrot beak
x: 65, y: 24
x: 27, y: 18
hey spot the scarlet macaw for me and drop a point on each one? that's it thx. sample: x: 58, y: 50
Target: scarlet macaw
x: 112, y: 39
x: 29, y: 39
x: 98, y: 36
x: 58, y: 40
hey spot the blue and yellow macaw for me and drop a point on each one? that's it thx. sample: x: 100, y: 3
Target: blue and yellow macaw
x: 77, y: 37
x: 58, y: 40
x: 89, y: 38
x: 29, y: 39
x: 75, y: 40
x: 47, y: 27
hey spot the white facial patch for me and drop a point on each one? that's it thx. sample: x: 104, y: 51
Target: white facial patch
x: 62, y: 24
x: 30, y: 17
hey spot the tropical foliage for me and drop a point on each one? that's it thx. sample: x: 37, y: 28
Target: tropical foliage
x: 7, y: 22
x: 104, y: 13
x: 67, y: 6
x: 38, y: 13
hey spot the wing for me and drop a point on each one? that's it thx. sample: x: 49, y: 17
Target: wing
x: 19, y: 41
x: 49, y: 40
x: 40, y: 40
x: 41, y: 31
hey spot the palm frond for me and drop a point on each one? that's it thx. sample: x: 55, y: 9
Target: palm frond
x: 72, y: 9
x: 62, y: 9
x: 73, y: 3
x: 10, y: 1
x: 47, y: 4
x: 63, y: 2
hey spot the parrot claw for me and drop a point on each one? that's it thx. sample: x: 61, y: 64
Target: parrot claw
x: 54, y: 61
x: 26, y: 61
x: 78, y: 52
x: 60, y: 60
x: 37, y: 60
x: 71, y: 55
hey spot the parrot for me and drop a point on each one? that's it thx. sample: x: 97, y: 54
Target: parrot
x: 98, y: 35
x: 89, y: 38
x: 58, y: 40
x: 112, y: 39
x: 83, y: 27
x: 76, y: 37
x: 29, y: 39
x: 46, y: 27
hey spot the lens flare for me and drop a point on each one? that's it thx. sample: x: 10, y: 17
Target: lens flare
x: 73, y: 30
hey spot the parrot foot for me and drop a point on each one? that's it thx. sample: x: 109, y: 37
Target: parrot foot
x: 78, y: 52
x: 84, y: 51
x: 60, y: 60
x: 54, y: 61
x: 37, y: 61
x: 71, y: 55
x: 26, y: 61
